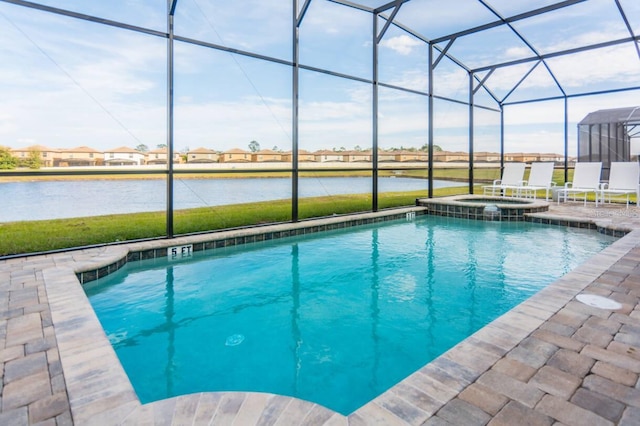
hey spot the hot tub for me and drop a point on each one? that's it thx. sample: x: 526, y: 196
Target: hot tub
x: 482, y: 207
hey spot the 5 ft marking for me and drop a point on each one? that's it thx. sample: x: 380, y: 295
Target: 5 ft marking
x: 180, y: 252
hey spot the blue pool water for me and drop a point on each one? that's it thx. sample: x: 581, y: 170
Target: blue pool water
x: 336, y: 318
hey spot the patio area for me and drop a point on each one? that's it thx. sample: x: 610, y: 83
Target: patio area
x: 551, y: 360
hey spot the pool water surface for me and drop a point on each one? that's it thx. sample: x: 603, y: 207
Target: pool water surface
x: 335, y: 318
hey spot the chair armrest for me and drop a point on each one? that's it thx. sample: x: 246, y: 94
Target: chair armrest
x: 568, y: 185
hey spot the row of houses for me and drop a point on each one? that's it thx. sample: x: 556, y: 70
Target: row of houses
x: 124, y: 156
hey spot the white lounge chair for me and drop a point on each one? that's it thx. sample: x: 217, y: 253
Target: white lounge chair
x: 512, y: 176
x: 623, y: 181
x: 586, y: 179
x: 540, y: 178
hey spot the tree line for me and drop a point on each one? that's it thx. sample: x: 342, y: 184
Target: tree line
x: 8, y: 161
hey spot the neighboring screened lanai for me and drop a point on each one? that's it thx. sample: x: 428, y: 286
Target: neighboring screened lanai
x: 418, y: 88
x: 609, y: 135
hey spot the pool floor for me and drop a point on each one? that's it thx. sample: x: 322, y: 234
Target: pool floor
x: 337, y: 317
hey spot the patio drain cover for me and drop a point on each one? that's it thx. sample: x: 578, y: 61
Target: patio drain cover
x: 598, y: 301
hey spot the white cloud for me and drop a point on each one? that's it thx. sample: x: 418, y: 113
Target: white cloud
x: 525, y: 140
x: 518, y: 52
x: 403, y: 44
x: 332, y: 19
x: 436, y: 20
x: 225, y: 125
x: 242, y: 27
x: 615, y: 64
x: 81, y: 84
x: 571, y: 36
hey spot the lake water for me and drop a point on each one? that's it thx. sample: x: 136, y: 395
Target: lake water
x: 64, y: 199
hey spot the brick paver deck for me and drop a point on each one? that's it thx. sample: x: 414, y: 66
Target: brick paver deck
x: 551, y: 360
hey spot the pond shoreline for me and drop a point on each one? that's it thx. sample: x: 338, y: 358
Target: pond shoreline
x: 447, y: 171
x: 8, y: 178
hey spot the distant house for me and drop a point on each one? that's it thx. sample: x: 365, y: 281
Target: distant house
x: 48, y: 156
x: 306, y: 156
x: 451, y: 156
x: 266, y: 156
x: 411, y: 156
x: 303, y: 156
x: 523, y: 157
x: 81, y: 156
x: 202, y: 155
x: 160, y: 155
x: 326, y: 156
x: 236, y: 155
x: 123, y: 156
x: 356, y: 156
x: 386, y: 156
x: 486, y: 157
x: 556, y: 158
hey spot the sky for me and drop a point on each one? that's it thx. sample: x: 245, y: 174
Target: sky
x: 66, y: 82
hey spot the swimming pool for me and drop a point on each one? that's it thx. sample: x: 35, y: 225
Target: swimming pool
x: 336, y: 318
